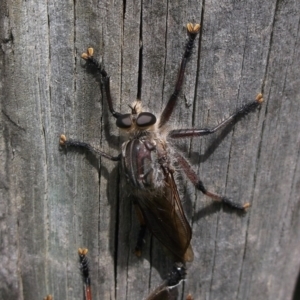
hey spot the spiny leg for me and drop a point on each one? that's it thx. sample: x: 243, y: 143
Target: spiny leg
x: 244, y: 110
x: 191, y: 174
x: 85, y: 272
x: 142, y: 232
x: 88, y: 56
x: 140, y: 241
x: 63, y: 141
x: 122, y: 119
x: 193, y: 30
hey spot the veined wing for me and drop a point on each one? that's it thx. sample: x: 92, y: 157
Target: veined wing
x: 166, y: 220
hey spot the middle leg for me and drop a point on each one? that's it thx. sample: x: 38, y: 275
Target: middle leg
x: 193, y: 177
x: 244, y: 110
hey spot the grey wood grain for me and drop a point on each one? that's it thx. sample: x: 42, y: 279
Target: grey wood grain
x: 54, y: 201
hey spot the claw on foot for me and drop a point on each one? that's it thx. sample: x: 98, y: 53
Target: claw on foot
x: 259, y: 98
x: 82, y: 251
x: 193, y: 28
x: 88, y: 54
x: 62, y: 140
x: 138, y: 252
x: 246, y: 205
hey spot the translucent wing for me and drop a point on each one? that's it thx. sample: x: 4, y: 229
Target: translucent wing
x: 166, y: 220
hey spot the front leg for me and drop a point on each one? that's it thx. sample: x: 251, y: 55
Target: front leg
x: 244, y: 110
x: 193, y: 30
x: 78, y: 144
x: 89, y: 57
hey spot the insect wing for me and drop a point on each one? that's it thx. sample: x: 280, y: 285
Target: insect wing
x: 166, y: 220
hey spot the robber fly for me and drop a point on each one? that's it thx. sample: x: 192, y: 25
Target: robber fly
x: 148, y: 162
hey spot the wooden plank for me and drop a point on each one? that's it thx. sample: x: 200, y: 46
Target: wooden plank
x: 54, y: 201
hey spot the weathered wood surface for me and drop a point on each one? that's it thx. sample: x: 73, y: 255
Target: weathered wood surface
x: 53, y: 202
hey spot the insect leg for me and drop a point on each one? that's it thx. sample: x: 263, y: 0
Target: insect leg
x: 140, y: 241
x: 166, y: 288
x: 142, y: 232
x: 244, y: 110
x: 191, y: 174
x: 84, y: 267
x: 88, y: 56
x: 193, y: 30
x: 77, y: 144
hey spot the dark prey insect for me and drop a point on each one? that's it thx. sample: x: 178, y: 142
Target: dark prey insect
x: 148, y: 162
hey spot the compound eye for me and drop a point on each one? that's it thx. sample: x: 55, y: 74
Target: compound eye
x: 124, y: 121
x: 145, y: 119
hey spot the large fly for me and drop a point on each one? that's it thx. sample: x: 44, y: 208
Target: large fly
x: 149, y: 164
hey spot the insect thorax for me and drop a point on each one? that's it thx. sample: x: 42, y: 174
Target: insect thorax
x: 145, y: 162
